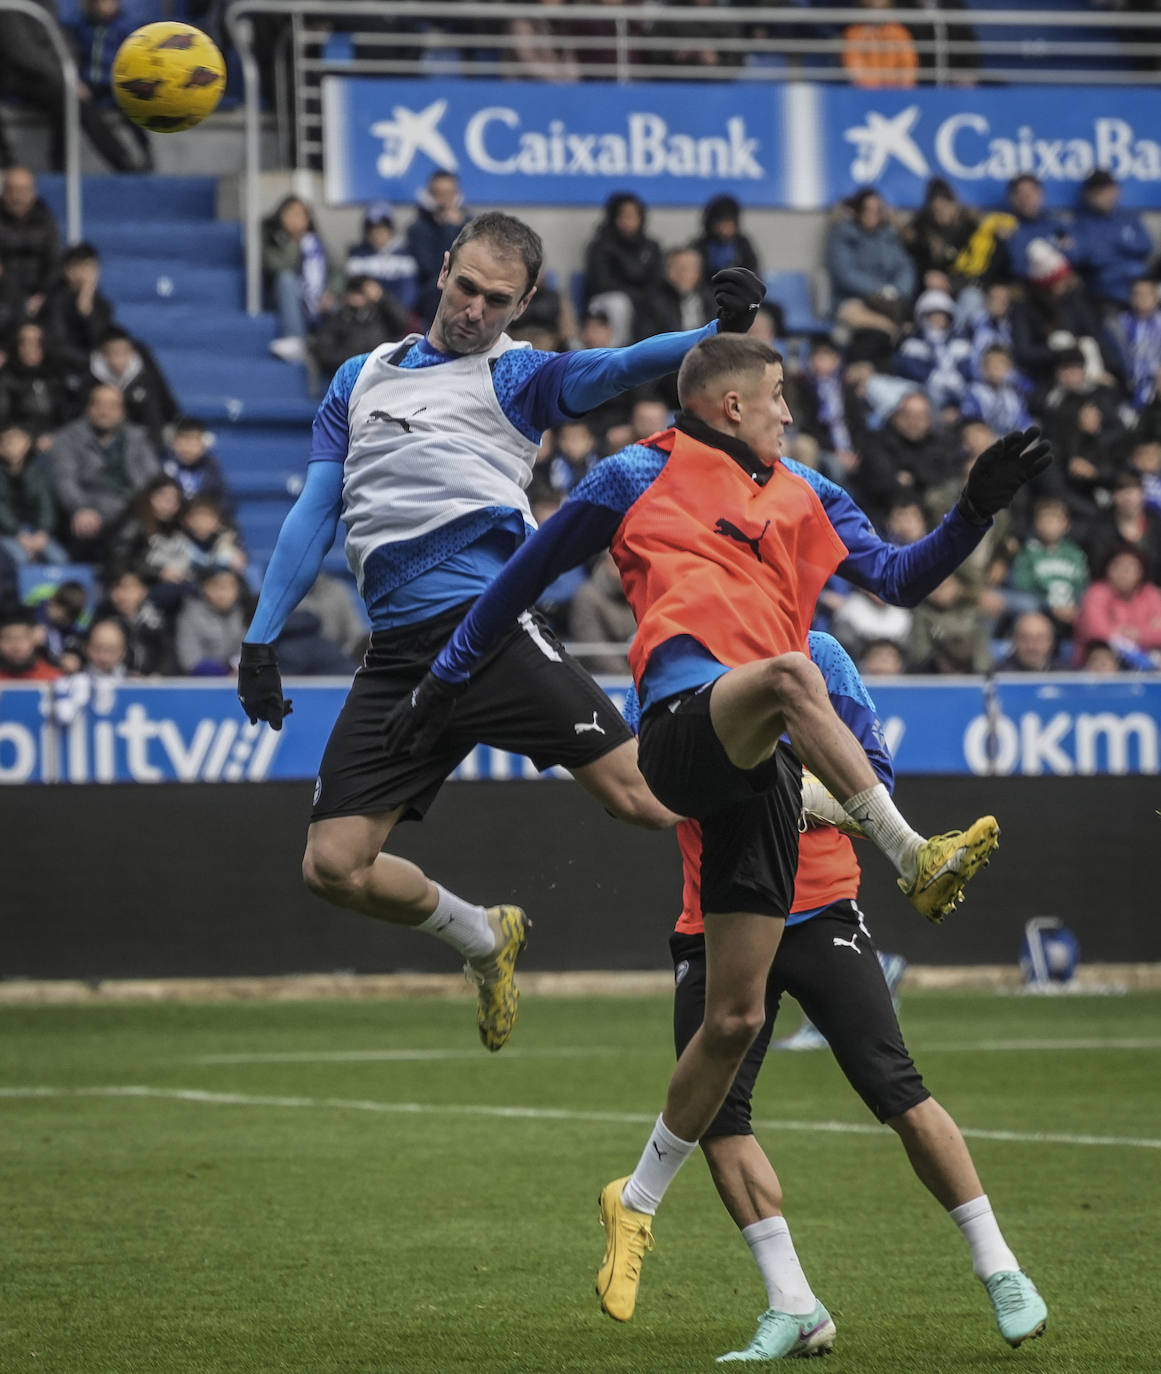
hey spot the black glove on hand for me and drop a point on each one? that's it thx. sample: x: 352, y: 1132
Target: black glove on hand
x: 415, y: 724
x: 260, y: 686
x: 738, y: 293
x: 1001, y: 470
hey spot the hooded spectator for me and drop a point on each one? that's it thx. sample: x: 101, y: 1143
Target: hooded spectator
x: 932, y: 355
x: 722, y: 243
x: 623, y: 268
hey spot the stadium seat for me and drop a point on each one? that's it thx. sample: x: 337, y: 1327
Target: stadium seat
x: 38, y: 581
x: 792, y: 292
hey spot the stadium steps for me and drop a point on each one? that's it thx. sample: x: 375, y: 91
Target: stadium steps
x: 212, y: 243
x: 131, y: 199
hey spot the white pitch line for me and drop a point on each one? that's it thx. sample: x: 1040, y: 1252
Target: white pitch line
x: 220, y: 1099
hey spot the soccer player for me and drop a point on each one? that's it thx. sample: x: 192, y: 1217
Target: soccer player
x: 424, y: 448
x: 828, y: 962
x: 723, y: 548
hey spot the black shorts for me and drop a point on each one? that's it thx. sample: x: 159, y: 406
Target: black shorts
x: 840, y: 986
x: 528, y: 696
x: 748, y: 817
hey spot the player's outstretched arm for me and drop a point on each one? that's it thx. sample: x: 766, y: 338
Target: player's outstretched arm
x: 307, y: 534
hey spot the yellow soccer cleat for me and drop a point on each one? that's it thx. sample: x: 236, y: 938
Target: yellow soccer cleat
x: 497, y: 996
x: 628, y: 1235
x: 946, y: 863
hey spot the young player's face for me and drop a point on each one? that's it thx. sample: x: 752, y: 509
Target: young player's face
x: 764, y: 414
x: 482, y: 294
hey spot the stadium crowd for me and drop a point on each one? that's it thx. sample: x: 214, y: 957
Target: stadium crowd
x: 946, y: 327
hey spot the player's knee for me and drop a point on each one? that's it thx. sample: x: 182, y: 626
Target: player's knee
x: 731, y: 1030
x: 329, y: 873
x: 788, y: 677
x: 634, y: 804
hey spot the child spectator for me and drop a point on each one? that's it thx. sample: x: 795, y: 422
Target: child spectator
x: 722, y: 243
x: 195, y: 468
x: 77, y: 316
x: 933, y: 355
x: 129, y: 366
x: 365, y: 318
x: 1100, y: 657
x: 906, y: 522
x: 299, y: 277
x: 97, y: 34
x: 148, y: 539
x: 1127, y: 523
x: 210, y: 542
x: 33, y: 391
x: 996, y: 398
x: 882, y: 658
x: 1051, y: 567
x: 20, y: 659
x: 28, y: 513
x: 1121, y: 608
x: 63, y: 619
x: 1140, y: 327
x: 574, y: 452
x: 383, y: 255
x: 149, y: 648
x: 1110, y: 246
x: 623, y: 269
x: 210, y: 625
x: 1145, y: 460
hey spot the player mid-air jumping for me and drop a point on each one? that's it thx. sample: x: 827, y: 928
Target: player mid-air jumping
x: 424, y: 448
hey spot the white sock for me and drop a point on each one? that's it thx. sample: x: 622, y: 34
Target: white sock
x: 787, y: 1289
x: 664, y: 1154
x: 990, y: 1253
x: 877, y: 814
x: 460, y: 924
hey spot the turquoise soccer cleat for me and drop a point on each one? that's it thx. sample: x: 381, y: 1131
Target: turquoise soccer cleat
x: 782, y: 1335
x: 1020, y: 1311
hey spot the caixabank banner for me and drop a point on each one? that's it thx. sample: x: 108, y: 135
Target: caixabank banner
x: 193, y: 731
x: 789, y: 145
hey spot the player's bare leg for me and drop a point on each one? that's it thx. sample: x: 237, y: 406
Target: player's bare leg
x: 616, y: 782
x: 344, y: 865
x: 753, y: 706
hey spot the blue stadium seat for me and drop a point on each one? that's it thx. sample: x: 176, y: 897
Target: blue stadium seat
x: 160, y: 323
x: 38, y: 581
x: 200, y: 243
x: 134, y: 198
x: 131, y: 280
x: 792, y: 291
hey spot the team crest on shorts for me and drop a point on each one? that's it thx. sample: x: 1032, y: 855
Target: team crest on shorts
x: 317, y: 790
x: 680, y: 971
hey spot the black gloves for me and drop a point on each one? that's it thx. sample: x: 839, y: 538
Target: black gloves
x: 260, y: 686
x: 1000, y: 471
x: 738, y: 293
x: 414, y: 724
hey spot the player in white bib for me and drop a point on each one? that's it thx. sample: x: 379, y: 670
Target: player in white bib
x: 424, y: 449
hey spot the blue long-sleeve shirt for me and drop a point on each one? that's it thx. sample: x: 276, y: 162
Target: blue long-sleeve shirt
x: 588, y: 520
x: 536, y: 390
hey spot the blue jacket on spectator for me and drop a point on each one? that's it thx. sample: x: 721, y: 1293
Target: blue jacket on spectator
x: 1001, y: 408
x: 862, y: 263
x: 96, y: 45
x: 1048, y: 224
x: 1110, y: 251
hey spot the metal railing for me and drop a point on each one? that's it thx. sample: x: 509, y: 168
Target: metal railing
x: 646, y: 42
x: 72, y: 116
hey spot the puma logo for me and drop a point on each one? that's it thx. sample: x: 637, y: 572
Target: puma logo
x: 396, y: 419
x: 581, y: 726
x: 850, y: 944
x: 660, y: 1152
x: 731, y: 531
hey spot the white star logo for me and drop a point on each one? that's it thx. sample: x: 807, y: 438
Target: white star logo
x: 880, y: 139
x: 409, y: 132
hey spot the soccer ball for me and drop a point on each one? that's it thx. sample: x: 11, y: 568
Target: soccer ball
x: 168, y: 76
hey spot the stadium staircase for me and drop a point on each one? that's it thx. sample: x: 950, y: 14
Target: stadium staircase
x: 174, y: 274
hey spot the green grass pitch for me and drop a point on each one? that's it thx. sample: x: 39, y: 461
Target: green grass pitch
x: 359, y: 1188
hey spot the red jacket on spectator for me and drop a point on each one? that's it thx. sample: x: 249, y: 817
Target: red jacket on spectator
x: 1111, y: 612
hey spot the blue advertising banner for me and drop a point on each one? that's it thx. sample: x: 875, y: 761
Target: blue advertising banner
x: 193, y: 731
x: 792, y: 145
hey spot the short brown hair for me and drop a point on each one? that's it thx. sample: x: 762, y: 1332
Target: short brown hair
x: 722, y: 355
x: 508, y: 236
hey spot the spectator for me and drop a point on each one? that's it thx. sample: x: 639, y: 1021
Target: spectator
x: 1145, y: 460
x: 366, y: 317
x: 193, y: 465
x: 440, y: 217
x: 30, y: 72
x: 33, y: 392
x: 129, y: 366
x: 1123, y: 609
x: 209, y: 541
x: 304, y: 651
x: 1050, y: 569
x: 1128, y: 523
x: 210, y: 625
x: 1033, y: 222
x: 28, y: 513
x: 106, y: 651
x: 535, y: 47
x: 98, y: 463
x: 932, y: 355
x: 96, y: 35
x: 1140, y: 329
x: 907, y: 453
x: 20, y: 659
x: 76, y: 314
x: 877, y: 54
x: 684, y: 300
x: 599, y: 614
x: 991, y: 324
x: 872, y: 277
x: 549, y: 320
x: 1083, y: 424
x: 1055, y: 313
x: 149, y: 648
x: 1100, y: 657
x: 827, y: 409
x: 623, y: 269
x: 148, y: 538
x: 62, y: 619
x: 860, y: 618
x: 29, y: 242
x: 1110, y: 247
x: 298, y: 274
x: 339, y: 614
x: 383, y: 255
x: 985, y: 258
x: 997, y: 398
x: 948, y: 631
x: 722, y: 243
x: 905, y: 522
x: 1033, y: 646
x: 574, y: 452
x: 882, y: 658
x: 937, y: 235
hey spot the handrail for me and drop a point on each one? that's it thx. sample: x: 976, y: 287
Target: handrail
x: 72, y: 116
